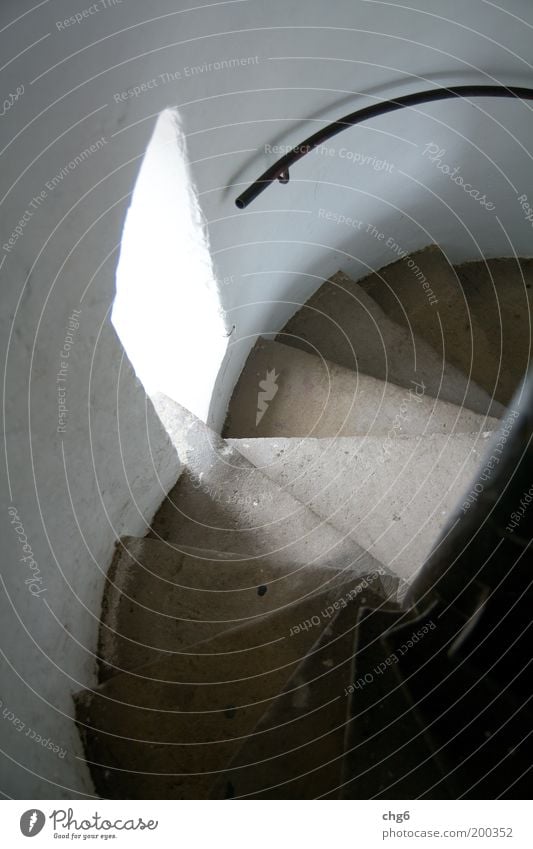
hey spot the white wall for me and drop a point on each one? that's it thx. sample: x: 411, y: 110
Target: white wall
x: 76, y: 490
x: 270, y: 256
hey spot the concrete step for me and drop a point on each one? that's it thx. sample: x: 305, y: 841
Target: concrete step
x: 447, y: 324
x: 224, y: 503
x: 343, y: 324
x: 498, y: 292
x: 392, y: 497
x: 160, y: 599
x: 317, y: 398
x: 167, y: 730
x: 296, y: 751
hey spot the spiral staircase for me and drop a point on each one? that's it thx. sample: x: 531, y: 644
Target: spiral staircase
x: 267, y: 639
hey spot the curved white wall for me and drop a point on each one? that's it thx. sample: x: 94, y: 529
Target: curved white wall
x: 242, y: 75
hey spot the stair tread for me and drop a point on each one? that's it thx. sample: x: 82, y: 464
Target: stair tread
x: 224, y: 503
x: 447, y: 324
x: 160, y: 600
x: 167, y: 729
x: 318, y: 398
x: 210, y: 686
x: 296, y: 749
x: 497, y: 293
x: 393, y: 498
x: 345, y: 325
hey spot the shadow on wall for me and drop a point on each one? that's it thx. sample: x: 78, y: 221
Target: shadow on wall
x: 167, y: 309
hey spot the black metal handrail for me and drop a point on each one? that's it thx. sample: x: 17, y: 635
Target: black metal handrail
x: 280, y: 169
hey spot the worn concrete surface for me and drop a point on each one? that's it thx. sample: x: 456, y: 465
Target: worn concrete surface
x: 393, y: 499
x: 343, y: 324
x: 296, y: 751
x: 317, y: 398
x: 168, y: 729
x: 498, y: 293
x: 449, y: 325
x: 162, y: 600
x: 221, y: 693
x: 224, y: 503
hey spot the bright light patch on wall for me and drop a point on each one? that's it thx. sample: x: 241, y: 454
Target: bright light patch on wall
x: 167, y: 309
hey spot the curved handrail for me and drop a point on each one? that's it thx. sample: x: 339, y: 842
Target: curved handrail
x: 280, y: 169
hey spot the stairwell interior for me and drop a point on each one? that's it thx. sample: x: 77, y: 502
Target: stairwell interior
x: 234, y: 652
x: 231, y: 574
